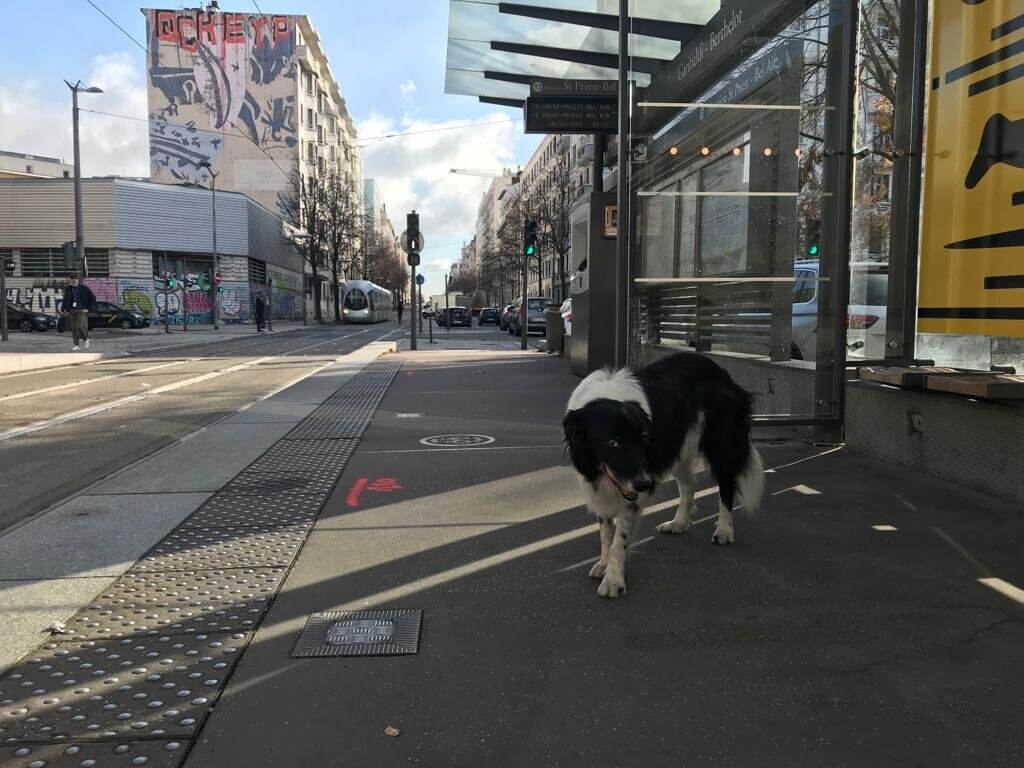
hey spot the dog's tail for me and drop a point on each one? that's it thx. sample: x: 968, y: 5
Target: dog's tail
x: 751, y: 481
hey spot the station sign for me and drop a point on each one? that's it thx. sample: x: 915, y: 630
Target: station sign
x: 571, y: 106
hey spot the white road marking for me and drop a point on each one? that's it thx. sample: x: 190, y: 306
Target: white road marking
x: 480, y: 448
x: 93, y: 410
x: 803, y: 490
x: 885, y: 528
x: 84, y: 382
x: 1004, y: 588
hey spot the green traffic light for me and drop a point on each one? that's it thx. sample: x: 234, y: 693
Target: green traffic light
x: 220, y: 289
x: 813, y: 250
x: 530, y: 250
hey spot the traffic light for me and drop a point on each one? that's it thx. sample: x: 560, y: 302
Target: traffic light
x: 813, y: 238
x: 69, y: 255
x: 8, y: 265
x: 530, y: 237
x: 412, y: 231
x: 204, y: 281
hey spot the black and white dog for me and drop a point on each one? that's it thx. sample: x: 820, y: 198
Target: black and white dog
x: 627, y: 431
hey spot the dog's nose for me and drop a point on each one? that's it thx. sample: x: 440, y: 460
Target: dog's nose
x: 642, y: 486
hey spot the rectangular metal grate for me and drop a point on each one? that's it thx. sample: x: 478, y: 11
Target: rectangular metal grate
x: 385, y: 632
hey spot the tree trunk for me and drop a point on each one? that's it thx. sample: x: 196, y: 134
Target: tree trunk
x: 335, y: 289
x: 316, y: 294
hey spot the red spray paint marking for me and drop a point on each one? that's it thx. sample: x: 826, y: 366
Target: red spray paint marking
x: 380, y: 485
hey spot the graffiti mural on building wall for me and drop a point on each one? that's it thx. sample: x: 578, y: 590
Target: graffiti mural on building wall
x: 213, y: 75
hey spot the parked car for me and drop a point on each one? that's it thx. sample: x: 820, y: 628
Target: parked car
x: 24, y: 319
x: 490, y: 316
x: 457, y: 316
x: 506, y: 314
x: 566, y: 312
x: 440, y: 316
x: 109, y: 315
x: 865, y: 337
x: 535, y: 320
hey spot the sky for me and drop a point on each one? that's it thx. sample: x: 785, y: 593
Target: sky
x: 387, y: 56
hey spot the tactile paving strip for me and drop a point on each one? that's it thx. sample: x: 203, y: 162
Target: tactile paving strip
x: 137, y: 687
x: 164, y: 637
x: 84, y: 754
x: 187, y: 602
x: 257, y: 512
x: 189, y: 548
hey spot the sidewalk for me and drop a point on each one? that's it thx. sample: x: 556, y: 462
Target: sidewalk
x: 31, y: 351
x: 867, y: 616
x: 55, y: 563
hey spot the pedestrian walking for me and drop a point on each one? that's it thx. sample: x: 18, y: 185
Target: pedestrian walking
x: 401, y: 306
x: 260, y: 310
x: 78, y: 301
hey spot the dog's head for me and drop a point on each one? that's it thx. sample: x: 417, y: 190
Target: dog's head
x: 609, y: 439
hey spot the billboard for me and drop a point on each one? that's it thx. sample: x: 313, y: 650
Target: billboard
x: 972, y: 241
x: 223, y: 90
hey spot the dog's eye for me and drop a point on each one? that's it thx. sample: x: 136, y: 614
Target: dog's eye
x: 613, y: 443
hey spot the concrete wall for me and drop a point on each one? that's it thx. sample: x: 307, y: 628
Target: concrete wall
x: 974, y: 443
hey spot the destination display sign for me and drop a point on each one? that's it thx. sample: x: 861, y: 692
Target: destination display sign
x: 571, y: 106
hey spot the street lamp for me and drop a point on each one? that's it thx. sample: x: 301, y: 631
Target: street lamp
x: 79, y: 224
x: 216, y: 260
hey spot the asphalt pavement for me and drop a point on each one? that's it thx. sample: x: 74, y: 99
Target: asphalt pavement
x: 62, y: 429
x: 866, y: 616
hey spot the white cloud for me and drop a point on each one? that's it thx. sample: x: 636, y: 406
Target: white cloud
x: 413, y: 171
x: 408, y: 87
x: 33, y: 124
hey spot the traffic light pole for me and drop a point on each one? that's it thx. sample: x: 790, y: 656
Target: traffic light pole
x: 416, y: 310
x: 524, y: 316
x: 167, y: 308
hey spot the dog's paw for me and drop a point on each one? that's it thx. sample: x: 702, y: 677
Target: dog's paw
x: 673, y: 527
x: 597, y: 571
x: 611, y: 587
x: 723, y: 535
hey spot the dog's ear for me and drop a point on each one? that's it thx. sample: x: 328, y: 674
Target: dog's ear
x: 574, y: 426
x: 637, y: 416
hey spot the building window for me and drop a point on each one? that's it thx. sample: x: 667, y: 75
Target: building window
x: 307, y: 81
x: 311, y: 152
x: 257, y: 271
x: 49, y: 262
x: 67, y: 174
x: 28, y: 169
x: 309, y: 117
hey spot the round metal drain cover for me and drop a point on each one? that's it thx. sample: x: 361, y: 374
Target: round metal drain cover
x: 456, y: 441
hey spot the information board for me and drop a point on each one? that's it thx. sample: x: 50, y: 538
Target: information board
x: 972, y: 243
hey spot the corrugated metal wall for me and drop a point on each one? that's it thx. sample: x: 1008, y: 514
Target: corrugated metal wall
x: 40, y: 213
x: 267, y: 241
x: 162, y: 217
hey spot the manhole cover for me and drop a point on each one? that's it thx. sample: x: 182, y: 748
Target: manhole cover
x: 388, y: 632
x: 456, y: 441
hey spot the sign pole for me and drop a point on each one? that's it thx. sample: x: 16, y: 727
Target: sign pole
x: 416, y: 310
x: 163, y: 274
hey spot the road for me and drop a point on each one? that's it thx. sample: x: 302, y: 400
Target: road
x: 63, y: 429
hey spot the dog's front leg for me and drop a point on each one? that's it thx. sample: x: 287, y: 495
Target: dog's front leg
x: 607, y: 534
x: 614, y: 582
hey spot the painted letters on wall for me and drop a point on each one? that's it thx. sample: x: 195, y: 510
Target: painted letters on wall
x: 222, y: 90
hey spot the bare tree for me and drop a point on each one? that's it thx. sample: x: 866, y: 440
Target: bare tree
x: 341, y: 223
x: 301, y: 206
x: 553, y: 213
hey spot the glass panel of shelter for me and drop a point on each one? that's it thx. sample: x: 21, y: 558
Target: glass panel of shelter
x: 729, y: 207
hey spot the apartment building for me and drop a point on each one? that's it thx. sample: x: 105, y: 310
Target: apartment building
x: 488, y: 219
x: 15, y: 165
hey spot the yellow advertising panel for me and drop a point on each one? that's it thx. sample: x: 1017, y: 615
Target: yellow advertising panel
x: 972, y: 256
